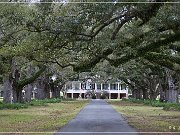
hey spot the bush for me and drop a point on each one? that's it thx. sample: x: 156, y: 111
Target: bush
x: 156, y: 103
x: 136, y: 100
x: 172, y: 106
x: 68, y: 99
x: 103, y: 96
x: 13, y: 106
x: 32, y: 103
x: 125, y: 99
x: 44, y: 101
x: 93, y: 96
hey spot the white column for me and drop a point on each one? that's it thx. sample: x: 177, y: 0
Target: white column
x: 72, y: 96
x: 101, y: 87
x: 80, y: 86
x: 126, y: 91
x: 33, y: 94
x: 118, y: 91
x: 73, y: 86
x: 109, y: 91
x: 80, y: 95
x: 95, y: 86
x: 50, y: 94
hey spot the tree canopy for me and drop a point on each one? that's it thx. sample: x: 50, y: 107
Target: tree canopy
x: 80, y: 35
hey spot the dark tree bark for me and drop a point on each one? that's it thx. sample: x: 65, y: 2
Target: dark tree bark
x: 17, y: 85
x: 46, y: 87
x: 53, y: 88
x: 60, y: 87
x: 28, y: 92
x: 136, y: 93
x: 42, y: 85
x: 162, y: 94
x: 145, y: 93
x: 172, y: 92
x: 29, y: 88
x: 7, y: 89
x: 40, y: 88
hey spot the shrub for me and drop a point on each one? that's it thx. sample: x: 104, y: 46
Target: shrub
x: 32, y: 103
x: 13, y: 106
x: 68, y: 99
x: 103, y: 96
x: 172, y: 106
x: 156, y: 103
x: 44, y: 101
x: 93, y: 96
x: 125, y: 99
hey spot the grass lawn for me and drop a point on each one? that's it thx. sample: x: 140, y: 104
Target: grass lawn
x: 40, y: 119
x: 148, y: 118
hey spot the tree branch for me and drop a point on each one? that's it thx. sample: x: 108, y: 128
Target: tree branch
x: 31, y: 79
x: 141, y: 51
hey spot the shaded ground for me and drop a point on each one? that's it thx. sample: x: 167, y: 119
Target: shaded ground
x: 148, y: 118
x: 97, y: 116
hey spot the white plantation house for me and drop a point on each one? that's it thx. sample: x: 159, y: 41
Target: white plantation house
x: 79, y: 89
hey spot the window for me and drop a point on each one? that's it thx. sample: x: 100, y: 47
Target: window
x: 98, y: 86
x: 123, y: 87
x: 105, y: 86
x: 76, y: 86
x: 92, y: 86
x: 83, y: 86
x: 114, y: 86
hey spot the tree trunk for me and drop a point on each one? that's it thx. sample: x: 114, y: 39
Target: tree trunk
x: 28, y: 92
x: 53, y: 89
x: 136, y: 93
x: 172, y: 91
x: 46, y: 87
x: 29, y: 88
x: 42, y: 85
x: 7, y: 89
x: 145, y: 94
x: 59, y: 88
x: 162, y: 94
x: 40, y: 88
x: 154, y: 87
x: 19, y: 96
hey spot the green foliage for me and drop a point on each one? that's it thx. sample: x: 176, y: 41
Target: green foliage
x: 13, y: 106
x: 45, y: 101
x: 93, y: 96
x: 172, y: 107
x: 80, y: 35
x: 32, y: 103
x: 68, y: 99
x: 156, y: 103
x: 103, y: 96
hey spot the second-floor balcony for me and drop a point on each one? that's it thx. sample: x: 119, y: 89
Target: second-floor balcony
x: 81, y: 87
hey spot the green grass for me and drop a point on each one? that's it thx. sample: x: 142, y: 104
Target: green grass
x: 39, y: 118
x: 146, y: 118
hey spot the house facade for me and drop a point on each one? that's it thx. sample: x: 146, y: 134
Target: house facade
x: 79, y: 89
